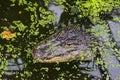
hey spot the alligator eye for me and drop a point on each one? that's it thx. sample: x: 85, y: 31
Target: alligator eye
x: 69, y: 44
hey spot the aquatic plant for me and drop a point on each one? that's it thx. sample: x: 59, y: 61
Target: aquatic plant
x: 19, y: 33
x: 86, y: 8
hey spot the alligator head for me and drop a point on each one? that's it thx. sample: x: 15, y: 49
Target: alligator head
x: 67, y: 44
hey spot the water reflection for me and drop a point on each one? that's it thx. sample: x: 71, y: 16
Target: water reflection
x: 13, y: 65
x: 58, y: 11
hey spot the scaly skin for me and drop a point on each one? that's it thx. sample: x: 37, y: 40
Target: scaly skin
x: 68, y: 44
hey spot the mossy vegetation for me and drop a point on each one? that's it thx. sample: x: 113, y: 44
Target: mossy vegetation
x: 27, y: 19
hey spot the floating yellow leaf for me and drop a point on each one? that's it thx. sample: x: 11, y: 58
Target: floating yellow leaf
x: 7, y: 34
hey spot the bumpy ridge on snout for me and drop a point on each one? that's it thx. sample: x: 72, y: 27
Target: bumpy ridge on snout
x: 68, y: 44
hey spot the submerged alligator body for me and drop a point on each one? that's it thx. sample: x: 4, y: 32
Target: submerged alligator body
x: 68, y: 44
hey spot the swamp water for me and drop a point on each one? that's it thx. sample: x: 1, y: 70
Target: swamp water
x: 74, y: 70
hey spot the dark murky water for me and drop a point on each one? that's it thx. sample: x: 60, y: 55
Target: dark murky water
x: 72, y: 70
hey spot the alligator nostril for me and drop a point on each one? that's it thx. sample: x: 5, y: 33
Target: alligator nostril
x: 37, y: 53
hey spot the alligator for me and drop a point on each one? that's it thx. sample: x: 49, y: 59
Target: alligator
x: 68, y: 44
